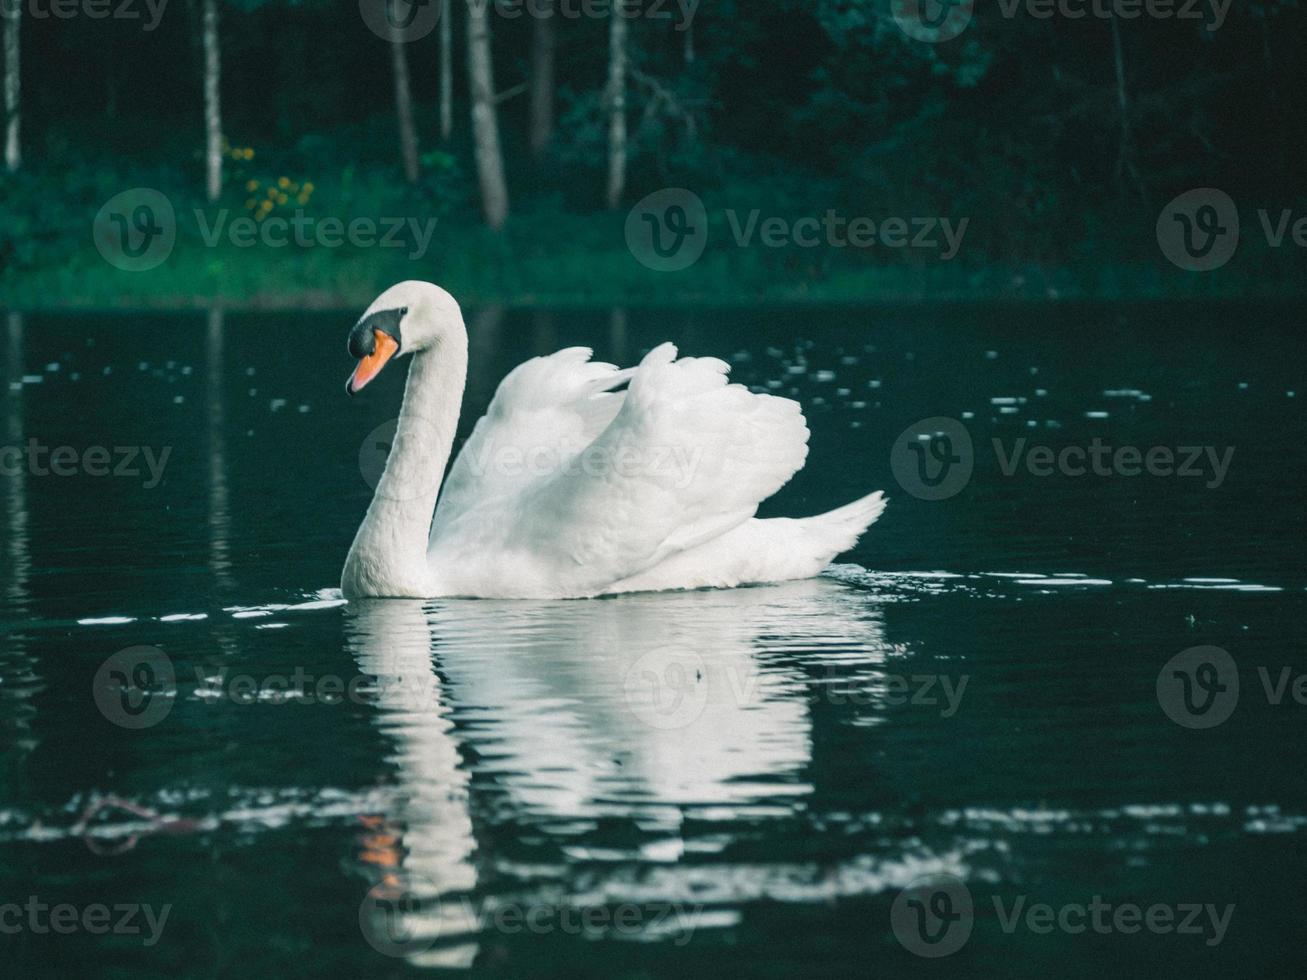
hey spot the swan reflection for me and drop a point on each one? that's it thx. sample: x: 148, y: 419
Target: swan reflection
x: 639, y: 708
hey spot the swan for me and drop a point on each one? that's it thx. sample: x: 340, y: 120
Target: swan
x: 569, y: 488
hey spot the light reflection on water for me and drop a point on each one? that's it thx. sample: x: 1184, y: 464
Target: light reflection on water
x: 726, y: 752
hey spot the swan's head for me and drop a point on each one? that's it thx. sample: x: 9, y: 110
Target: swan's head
x: 408, y: 317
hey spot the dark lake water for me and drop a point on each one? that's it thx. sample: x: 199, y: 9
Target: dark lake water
x: 738, y: 783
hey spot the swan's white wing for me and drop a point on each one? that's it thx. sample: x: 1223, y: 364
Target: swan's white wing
x: 686, y: 458
x: 544, y: 413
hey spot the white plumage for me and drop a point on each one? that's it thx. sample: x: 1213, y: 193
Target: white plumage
x: 569, y: 489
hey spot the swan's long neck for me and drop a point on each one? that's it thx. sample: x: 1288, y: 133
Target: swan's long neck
x: 389, y: 554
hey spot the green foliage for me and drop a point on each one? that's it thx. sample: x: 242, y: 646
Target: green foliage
x: 787, y: 108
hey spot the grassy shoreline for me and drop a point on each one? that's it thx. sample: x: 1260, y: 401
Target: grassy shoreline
x: 598, y: 280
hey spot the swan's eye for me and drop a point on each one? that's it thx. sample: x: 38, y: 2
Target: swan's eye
x: 386, y: 321
x: 373, y: 342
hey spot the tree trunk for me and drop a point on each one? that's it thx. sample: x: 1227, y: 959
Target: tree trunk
x: 616, y: 106
x: 408, y: 134
x: 485, y: 121
x: 446, y: 70
x: 13, y: 90
x: 212, y: 105
x: 1122, y: 100
x: 542, y: 80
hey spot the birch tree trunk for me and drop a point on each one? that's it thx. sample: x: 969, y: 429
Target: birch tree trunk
x: 446, y: 70
x: 485, y: 121
x: 212, y: 105
x: 543, y: 44
x: 616, y: 106
x: 408, y: 134
x: 13, y: 90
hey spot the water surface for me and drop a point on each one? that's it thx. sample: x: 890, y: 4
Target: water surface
x: 730, y: 783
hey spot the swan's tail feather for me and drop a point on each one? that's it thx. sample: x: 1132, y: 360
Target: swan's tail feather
x: 838, y: 530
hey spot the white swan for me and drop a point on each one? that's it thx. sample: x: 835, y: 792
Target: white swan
x: 570, y: 489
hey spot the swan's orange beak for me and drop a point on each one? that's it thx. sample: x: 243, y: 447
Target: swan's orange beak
x: 370, y: 366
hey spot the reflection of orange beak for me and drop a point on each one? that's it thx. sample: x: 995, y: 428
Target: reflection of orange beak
x: 370, y: 366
